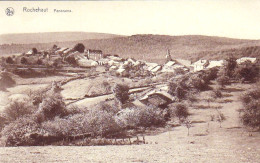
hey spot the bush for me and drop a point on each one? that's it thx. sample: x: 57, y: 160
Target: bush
x: 37, y: 96
x: 71, y: 60
x: 216, y: 93
x: 59, y: 127
x: 107, y: 86
x: 121, y: 93
x: 229, y: 66
x: 6, y: 80
x: 18, y: 133
x: 17, y: 109
x: 79, y: 47
x: 27, y: 73
x: 108, y: 108
x: 24, y: 60
x: 212, y: 74
x: 140, y: 117
x: 3, y: 121
x: 101, y: 123
x: 251, y: 109
x: 39, y: 62
x: 178, y: 88
x: 52, y: 106
x: 198, y: 83
x: 9, y: 60
x: 247, y: 72
x: 180, y: 111
x: 34, y: 50
x: 223, y: 79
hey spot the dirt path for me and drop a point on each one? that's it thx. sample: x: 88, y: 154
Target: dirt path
x: 207, y: 142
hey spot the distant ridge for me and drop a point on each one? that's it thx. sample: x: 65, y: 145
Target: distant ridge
x: 48, y: 37
x: 154, y: 47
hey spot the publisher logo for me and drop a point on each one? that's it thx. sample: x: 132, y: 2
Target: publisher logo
x: 9, y: 11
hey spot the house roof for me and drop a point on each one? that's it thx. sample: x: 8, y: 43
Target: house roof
x: 201, y: 62
x: 170, y: 63
x: 121, y: 70
x: 94, y: 51
x: 86, y: 62
x: 162, y: 93
x: 62, y: 49
x: 157, y: 99
x: 183, y: 62
x: 157, y: 68
x: 29, y: 52
x: 215, y: 64
x: 244, y: 59
x: 67, y: 50
x: 135, y: 103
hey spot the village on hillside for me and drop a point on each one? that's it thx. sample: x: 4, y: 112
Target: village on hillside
x: 89, y: 58
x: 79, y: 60
x: 80, y: 96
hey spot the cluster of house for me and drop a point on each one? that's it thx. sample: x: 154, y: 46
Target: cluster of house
x: 160, y: 98
x: 95, y: 58
x: 206, y: 64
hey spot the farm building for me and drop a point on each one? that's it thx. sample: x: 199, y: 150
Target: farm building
x: 134, y: 104
x: 215, y: 64
x: 114, y: 58
x: 183, y: 62
x: 170, y: 63
x: 94, y: 54
x: 149, y: 66
x: 157, y: 98
x: 244, y: 59
x: 200, y: 65
x: 68, y: 51
x: 61, y: 51
x: 87, y: 63
x: 113, y: 63
x: 156, y: 69
x: 30, y: 52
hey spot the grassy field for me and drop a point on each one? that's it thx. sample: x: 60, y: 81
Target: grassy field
x: 207, y: 142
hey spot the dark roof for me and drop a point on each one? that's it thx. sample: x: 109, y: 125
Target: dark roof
x: 157, y: 99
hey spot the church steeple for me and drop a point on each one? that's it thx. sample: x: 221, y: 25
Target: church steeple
x: 168, y: 56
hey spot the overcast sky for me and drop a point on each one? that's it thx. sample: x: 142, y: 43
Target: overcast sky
x: 233, y: 18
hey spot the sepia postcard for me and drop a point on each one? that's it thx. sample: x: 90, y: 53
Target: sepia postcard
x: 130, y: 81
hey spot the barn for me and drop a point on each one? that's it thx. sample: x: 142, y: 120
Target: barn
x: 93, y: 54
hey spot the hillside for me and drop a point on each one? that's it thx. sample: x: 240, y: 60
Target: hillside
x: 30, y: 38
x: 154, y: 47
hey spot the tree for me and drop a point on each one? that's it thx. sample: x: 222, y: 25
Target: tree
x: 54, y: 47
x: 121, y: 93
x: 71, y: 60
x: 6, y: 80
x: 34, y: 50
x: 24, y: 60
x: 180, y: 111
x: 222, y: 79
x: 250, y: 113
x: 178, y: 88
x: 79, y: 47
x: 39, y: 62
x: 9, y: 60
x: 230, y: 66
x: 247, y: 72
x: 17, y: 109
x: 52, y: 106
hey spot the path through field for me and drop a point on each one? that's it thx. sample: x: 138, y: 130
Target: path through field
x: 207, y: 142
